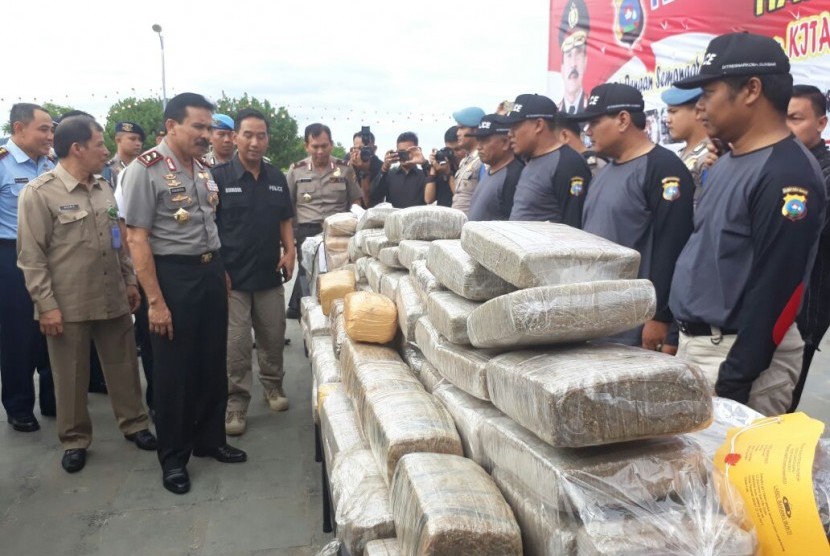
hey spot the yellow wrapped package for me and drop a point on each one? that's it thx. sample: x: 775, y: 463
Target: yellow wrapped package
x: 334, y: 285
x: 370, y: 317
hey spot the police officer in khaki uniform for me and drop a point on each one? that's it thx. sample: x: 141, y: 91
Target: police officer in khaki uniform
x: 320, y: 186
x: 83, y: 285
x: 170, y: 200
x: 469, y: 169
x: 129, y: 140
x: 221, y: 141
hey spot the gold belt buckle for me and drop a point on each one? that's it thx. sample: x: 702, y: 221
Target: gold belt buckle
x: 207, y: 257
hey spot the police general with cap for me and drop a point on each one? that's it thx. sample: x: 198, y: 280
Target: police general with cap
x: 170, y: 201
x: 739, y: 281
x: 320, y: 185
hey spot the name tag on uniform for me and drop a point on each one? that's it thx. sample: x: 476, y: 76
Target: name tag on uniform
x: 304, y: 180
x: 69, y: 207
x: 21, y: 180
x: 211, y: 185
x: 174, y: 190
x: 233, y: 190
x: 275, y: 188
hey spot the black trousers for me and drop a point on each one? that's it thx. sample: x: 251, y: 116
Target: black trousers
x: 809, y: 352
x: 190, y: 378
x: 302, y: 232
x: 142, y: 341
x: 22, y: 347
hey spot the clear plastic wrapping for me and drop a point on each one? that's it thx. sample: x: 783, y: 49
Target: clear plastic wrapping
x: 413, y: 356
x: 411, y: 250
x: 338, y: 334
x: 424, y: 223
x: 386, y: 547
x: 363, y: 512
x: 375, y: 217
x: 308, y: 252
x: 313, y: 318
x: 424, y: 281
x: 400, y: 422
x: 594, y: 394
x: 342, y: 224
x: 354, y: 250
x: 469, y: 414
x: 562, y: 314
x: 354, y: 354
x: 389, y: 257
x: 448, y: 505
x: 389, y: 283
x: 459, y: 272
x: 386, y: 376
x: 465, y: 367
x: 337, y: 252
x: 370, y: 317
x: 448, y: 312
x: 363, y: 235
x: 360, y: 269
x: 410, y: 307
x: 375, y: 243
x: 375, y: 271
x: 430, y: 378
x: 334, y: 285
x: 531, y: 254
x: 339, y: 428
x: 315, y: 411
x: 324, y: 364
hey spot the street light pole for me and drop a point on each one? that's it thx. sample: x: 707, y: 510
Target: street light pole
x: 157, y: 29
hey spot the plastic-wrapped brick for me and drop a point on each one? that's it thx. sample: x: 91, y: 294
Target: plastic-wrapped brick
x: 313, y: 318
x: 339, y: 428
x: 386, y: 547
x: 389, y: 257
x: 354, y: 250
x: 448, y: 505
x: 338, y: 335
x: 459, y: 272
x: 562, y: 314
x: 370, y: 317
x: 389, y: 283
x: 342, y: 224
x: 375, y: 271
x: 337, y: 252
x: 324, y: 364
x: 599, y: 394
x: 410, y: 307
x: 531, y: 254
x: 374, y: 244
x: 464, y: 367
x: 383, y: 376
x: 400, y: 422
x: 469, y: 414
x: 375, y: 217
x: 360, y: 269
x: 411, y: 250
x: 430, y: 378
x: 424, y: 281
x: 424, y: 223
x: 362, y: 236
x: 353, y: 354
x: 308, y: 252
x: 413, y: 356
x: 448, y: 312
x: 334, y: 285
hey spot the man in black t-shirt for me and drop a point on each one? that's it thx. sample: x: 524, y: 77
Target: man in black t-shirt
x: 642, y: 200
x: 438, y: 189
x: 255, y: 228
x: 493, y: 196
x: 402, y: 176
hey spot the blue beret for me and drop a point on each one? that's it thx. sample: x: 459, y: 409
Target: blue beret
x: 223, y: 122
x: 130, y: 127
x: 677, y: 97
x: 468, y: 117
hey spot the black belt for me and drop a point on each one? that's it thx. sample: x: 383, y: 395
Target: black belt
x: 702, y: 329
x: 204, y: 258
x: 8, y: 242
x: 310, y: 226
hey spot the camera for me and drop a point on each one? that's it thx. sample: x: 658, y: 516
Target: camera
x: 444, y: 156
x: 403, y: 156
x: 366, y: 152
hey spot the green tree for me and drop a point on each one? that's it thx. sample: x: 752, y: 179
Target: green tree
x: 285, y: 146
x: 54, y: 110
x: 146, y: 112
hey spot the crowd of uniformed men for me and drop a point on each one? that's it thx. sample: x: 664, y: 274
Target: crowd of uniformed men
x: 196, y: 237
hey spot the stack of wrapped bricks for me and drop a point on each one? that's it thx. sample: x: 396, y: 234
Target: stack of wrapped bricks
x: 484, y: 340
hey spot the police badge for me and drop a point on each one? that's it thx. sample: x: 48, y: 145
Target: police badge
x: 795, y: 203
x: 629, y: 21
x: 671, y: 189
x: 577, y: 186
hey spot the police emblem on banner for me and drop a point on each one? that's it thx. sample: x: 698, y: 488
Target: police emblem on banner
x: 671, y: 189
x: 577, y: 186
x: 795, y: 203
x: 629, y: 21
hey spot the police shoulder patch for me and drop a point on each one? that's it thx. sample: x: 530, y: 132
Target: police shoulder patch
x: 671, y: 188
x: 577, y: 185
x: 3, y: 152
x: 795, y: 203
x: 150, y: 158
x: 299, y: 164
x: 42, y: 179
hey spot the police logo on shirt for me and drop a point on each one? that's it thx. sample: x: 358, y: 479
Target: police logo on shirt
x: 671, y: 189
x: 275, y: 188
x: 795, y: 203
x: 577, y: 186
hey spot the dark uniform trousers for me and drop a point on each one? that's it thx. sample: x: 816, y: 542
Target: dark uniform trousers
x: 190, y: 380
x: 302, y: 232
x: 22, y: 347
x: 142, y: 341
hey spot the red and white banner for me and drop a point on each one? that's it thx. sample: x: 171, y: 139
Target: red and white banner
x: 649, y: 44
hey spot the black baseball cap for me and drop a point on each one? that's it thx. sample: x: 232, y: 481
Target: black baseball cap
x: 738, y: 54
x: 609, y: 98
x: 529, y: 107
x: 488, y: 126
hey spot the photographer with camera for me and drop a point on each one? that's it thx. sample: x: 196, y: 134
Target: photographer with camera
x: 443, y: 165
x: 402, y: 176
x: 364, y: 162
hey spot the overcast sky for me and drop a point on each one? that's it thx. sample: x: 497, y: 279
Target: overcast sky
x: 394, y: 66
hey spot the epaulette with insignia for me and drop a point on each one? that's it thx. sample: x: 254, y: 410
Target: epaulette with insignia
x: 150, y: 158
x: 299, y: 164
x: 206, y: 162
x: 3, y: 152
x: 45, y: 177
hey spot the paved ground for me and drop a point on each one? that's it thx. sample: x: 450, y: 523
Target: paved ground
x: 116, y: 505
x: 270, y: 505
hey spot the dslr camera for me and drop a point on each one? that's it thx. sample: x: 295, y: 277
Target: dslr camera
x: 444, y: 156
x: 366, y: 152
